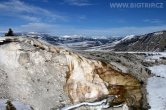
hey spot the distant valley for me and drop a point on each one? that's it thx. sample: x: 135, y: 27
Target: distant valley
x: 155, y: 42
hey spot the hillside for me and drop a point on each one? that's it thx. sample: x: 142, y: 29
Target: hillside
x: 149, y: 42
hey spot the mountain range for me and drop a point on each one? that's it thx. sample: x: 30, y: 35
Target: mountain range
x: 155, y: 41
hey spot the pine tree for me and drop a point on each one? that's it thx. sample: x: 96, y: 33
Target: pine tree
x: 10, y: 33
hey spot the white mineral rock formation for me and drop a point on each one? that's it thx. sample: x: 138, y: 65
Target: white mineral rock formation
x: 43, y: 76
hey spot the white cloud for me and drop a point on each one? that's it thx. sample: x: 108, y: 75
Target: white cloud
x: 78, y: 2
x: 21, y: 9
x: 30, y: 18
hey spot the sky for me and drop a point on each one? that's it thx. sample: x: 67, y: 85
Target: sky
x: 83, y: 17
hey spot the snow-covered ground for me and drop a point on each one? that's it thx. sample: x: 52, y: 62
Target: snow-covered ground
x: 18, y: 105
x: 156, y: 88
x: 158, y: 33
x: 159, y: 70
x: 150, y: 56
x: 155, y: 56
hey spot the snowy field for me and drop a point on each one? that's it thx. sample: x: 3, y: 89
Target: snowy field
x: 16, y: 104
x: 159, y: 70
x: 156, y: 88
x: 155, y: 56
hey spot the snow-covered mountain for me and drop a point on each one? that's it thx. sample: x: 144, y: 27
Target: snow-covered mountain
x: 155, y: 41
x: 110, y: 46
x: 129, y: 37
x: 71, y: 36
x: 78, y: 42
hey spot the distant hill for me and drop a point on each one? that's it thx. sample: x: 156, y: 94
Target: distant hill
x: 155, y: 41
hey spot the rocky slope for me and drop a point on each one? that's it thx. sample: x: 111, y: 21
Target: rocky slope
x: 48, y: 77
x: 149, y: 42
x: 31, y: 74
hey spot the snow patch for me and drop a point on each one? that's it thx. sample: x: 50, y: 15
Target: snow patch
x: 152, y: 57
x: 21, y: 106
x: 3, y: 104
x: 18, y: 105
x: 159, y: 70
x: 127, y: 37
x: 156, y: 88
x: 158, y: 33
x: 156, y: 93
x: 71, y: 36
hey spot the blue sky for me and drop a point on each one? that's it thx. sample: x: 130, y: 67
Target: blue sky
x: 84, y: 17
